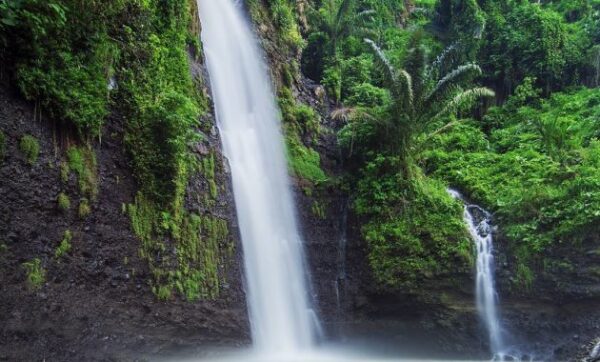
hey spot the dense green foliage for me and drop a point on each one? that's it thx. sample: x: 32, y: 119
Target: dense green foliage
x: 537, y: 169
x: 515, y: 39
x: 533, y: 161
x: 413, y: 120
x: 63, y: 55
x: 415, y: 229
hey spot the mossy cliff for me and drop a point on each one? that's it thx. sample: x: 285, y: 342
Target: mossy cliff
x: 117, y: 214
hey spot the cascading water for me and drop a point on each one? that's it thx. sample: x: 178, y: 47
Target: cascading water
x: 281, y: 320
x: 478, y: 222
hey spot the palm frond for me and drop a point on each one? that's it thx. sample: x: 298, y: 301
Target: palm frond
x: 345, y: 114
x: 345, y: 8
x: 390, y: 75
x: 414, y: 64
x: 408, y: 86
x: 455, y: 77
x: 465, y: 100
x: 438, y: 64
x: 365, y: 15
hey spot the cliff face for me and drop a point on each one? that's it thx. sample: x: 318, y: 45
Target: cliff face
x: 94, y: 300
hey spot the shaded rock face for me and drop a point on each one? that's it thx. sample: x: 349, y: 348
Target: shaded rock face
x: 559, y: 313
x: 96, y: 303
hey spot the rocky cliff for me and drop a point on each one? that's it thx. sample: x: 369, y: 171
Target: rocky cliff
x: 94, y: 300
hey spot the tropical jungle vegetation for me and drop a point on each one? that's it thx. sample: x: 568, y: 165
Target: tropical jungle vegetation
x: 498, y: 99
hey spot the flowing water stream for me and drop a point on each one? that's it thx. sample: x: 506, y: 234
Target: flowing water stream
x: 248, y: 119
x: 480, y: 228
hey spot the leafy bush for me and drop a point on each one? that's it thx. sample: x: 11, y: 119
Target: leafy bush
x: 283, y: 16
x: 525, y: 39
x: 414, y: 230
x: 368, y: 95
x: 30, y: 147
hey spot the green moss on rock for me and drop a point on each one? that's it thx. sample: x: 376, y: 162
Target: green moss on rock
x: 30, y: 148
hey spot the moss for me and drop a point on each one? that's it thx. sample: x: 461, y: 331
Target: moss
x: 65, y: 244
x: 64, y: 172
x: 30, y: 148
x: 162, y: 292
x: 183, y: 252
x: 84, y: 208
x: 36, y: 274
x: 213, y: 189
x: 318, y: 209
x: 82, y: 161
x: 524, y: 276
x: 304, y: 161
x: 62, y: 61
x: 300, y: 119
x: 64, y: 203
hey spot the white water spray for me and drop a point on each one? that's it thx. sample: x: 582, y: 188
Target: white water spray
x: 248, y: 120
x: 478, y: 222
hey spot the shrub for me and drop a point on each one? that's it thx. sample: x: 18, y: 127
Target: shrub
x: 64, y: 203
x: 30, y: 147
x: 36, y: 275
x: 65, y: 244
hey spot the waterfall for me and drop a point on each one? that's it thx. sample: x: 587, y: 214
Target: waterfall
x: 479, y: 224
x: 248, y: 120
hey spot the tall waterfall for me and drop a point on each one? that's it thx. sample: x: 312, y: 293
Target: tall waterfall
x: 478, y: 221
x: 248, y: 120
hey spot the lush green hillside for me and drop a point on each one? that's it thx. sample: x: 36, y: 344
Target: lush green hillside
x: 413, y: 83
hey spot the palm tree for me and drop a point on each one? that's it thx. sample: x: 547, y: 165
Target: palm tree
x: 424, y: 98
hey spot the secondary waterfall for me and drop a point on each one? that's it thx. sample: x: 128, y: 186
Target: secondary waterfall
x: 248, y: 120
x: 478, y: 221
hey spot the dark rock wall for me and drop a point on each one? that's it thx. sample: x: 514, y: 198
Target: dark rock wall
x: 96, y: 302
